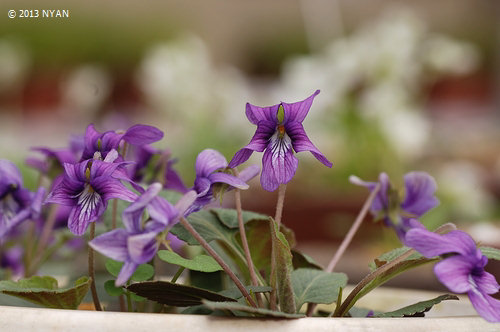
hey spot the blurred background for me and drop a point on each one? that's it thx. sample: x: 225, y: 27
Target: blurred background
x: 405, y: 85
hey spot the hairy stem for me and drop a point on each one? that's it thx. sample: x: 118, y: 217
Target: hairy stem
x: 246, y: 248
x: 279, y: 204
x: 93, y: 288
x: 348, y: 238
x: 219, y: 260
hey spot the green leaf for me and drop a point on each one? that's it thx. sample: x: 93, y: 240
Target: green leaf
x: 112, y: 290
x: 107, y: 217
x: 301, y: 260
x: 390, y: 256
x: 281, y: 278
x: 207, y: 225
x: 258, y: 312
x: 229, y: 217
x: 44, y: 291
x: 137, y: 298
x: 202, y: 263
x: 491, y: 253
x: 142, y: 273
x: 235, y: 293
x: 418, y: 309
x: 316, y: 286
x: 168, y: 293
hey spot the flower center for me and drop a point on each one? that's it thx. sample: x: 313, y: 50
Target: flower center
x: 281, y: 131
x: 88, y: 199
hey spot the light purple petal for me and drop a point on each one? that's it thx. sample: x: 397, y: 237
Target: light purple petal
x: 454, y: 273
x: 162, y: 211
x: 9, y: 175
x: 256, y: 114
x: 485, y: 305
x: 486, y: 282
x: 298, y: 111
x: 381, y: 201
x: 36, y: 205
x: 208, y: 161
x: 301, y: 142
x: 240, y: 157
x: 40, y: 165
x: 431, y: 244
x: 126, y: 272
x: 131, y: 216
x: 142, y: 134
x: 112, y: 244
x: 228, y: 179
x: 142, y: 247
x: 419, y: 193
x: 79, y: 218
x: 202, y: 186
x: 185, y: 202
x: 249, y: 173
x: 110, y: 188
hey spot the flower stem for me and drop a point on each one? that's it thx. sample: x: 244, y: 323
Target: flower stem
x: 348, y: 238
x: 177, y: 274
x: 219, y: 260
x: 113, y: 213
x: 244, y: 241
x: 93, y: 289
x: 279, y: 204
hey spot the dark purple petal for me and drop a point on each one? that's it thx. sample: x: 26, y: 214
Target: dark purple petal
x: 110, y: 188
x: 228, y: 179
x: 8, y: 224
x: 202, y: 186
x: 9, y: 176
x: 142, y: 135
x: 40, y: 165
x: 278, y: 164
x: 259, y: 142
x: 486, y: 306
x: 112, y: 244
x: 142, y: 247
x: 454, y: 273
x: 173, y: 180
x: 90, y: 142
x: 419, y: 193
x: 431, y: 244
x: 208, y: 161
x: 126, y: 272
x: 256, y: 114
x: 301, y: 142
x: 298, y: 111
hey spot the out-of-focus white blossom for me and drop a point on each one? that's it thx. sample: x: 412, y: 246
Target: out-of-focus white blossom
x: 15, y: 61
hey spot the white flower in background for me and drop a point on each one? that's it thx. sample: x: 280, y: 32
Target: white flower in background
x: 463, y: 181
x: 179, y: 78
x: 14, y: 64
x: 85, y: 90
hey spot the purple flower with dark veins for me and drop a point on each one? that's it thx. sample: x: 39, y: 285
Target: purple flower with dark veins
x: 87, y: 187
x: 17, y: 204
x: 279, y: 133
x: 210, y: 167
x: 136, y: 135
x: 463, y: 271
x: 137, y: 244
x: 392, y: 209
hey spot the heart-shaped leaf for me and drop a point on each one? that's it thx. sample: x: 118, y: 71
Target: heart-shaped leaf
x: 168, y: 293
x: 301, y: 260
x: 316, y: 286
x: 258, y: 312
x: 44, y: 291
x: 229, y: 217
x: 235, y: 293
x: 112, y: 290
x: 202, y: 263
x: 390, y: 256
x: 417, y: 309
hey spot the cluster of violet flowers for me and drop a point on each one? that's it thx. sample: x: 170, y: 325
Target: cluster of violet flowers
x: 100, y: 167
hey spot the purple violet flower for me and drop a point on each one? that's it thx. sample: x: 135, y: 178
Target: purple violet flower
x: 463, y: 272
x: 279, y: 133
x: 12, y: 259
x: 104, y: 142
x: 86, y: 187
x: 137, y: 244
x: 418, y: 199
x: 17, y: 204
x: 210, y: 166
x: 54, y: 159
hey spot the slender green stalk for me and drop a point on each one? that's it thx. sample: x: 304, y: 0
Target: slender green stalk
x: 218, y: 259
x: 114, y: 210
x: 129, y: 302
x: 244, y: 241
x: 177, y: 274
x: 279, y: 204
x: 93, y: 288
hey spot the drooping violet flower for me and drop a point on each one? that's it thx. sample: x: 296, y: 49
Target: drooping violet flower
x: 137, y: 244
x: 463, y: 272
x: 54, y: 159
x: 17, y: 204
x: 210, y: 167
x: 400, y: 213
x: 86, y: 187
x: 12, y: 259
x: 159, y: 164
x: 279, y: 133
x: 136, y: 135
